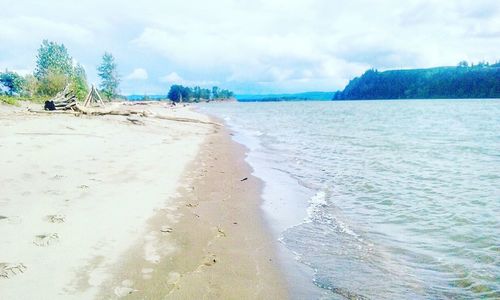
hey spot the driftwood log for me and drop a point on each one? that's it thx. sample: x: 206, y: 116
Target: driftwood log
x: 80, y: 110
x: 63, y: 100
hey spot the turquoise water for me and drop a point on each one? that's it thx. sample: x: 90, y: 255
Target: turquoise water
x: 398, y: 199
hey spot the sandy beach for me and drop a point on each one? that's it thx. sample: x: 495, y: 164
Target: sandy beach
x: 102, y: 208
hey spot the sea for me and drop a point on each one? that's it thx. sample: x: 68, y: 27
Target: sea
x: 394, y: 199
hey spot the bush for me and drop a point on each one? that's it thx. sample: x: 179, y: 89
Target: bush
x: 9, y: 100
x: 52, y: 83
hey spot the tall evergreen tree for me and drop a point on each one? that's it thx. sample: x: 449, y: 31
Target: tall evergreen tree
x: 53, y: 57
x: 109, y: 76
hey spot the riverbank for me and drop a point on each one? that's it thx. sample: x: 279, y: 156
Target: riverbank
x: 96, y: 207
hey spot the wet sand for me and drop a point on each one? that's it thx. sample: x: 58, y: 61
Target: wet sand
x: 213, y: 242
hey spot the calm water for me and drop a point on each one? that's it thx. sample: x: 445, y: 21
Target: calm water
x: 397, y: 199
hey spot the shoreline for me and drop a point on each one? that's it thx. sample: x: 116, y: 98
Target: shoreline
x: 222, y: 247
x: 170, y: 217
x: 282, y: 207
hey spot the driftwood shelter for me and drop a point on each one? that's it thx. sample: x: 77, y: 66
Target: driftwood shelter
x: 67, y: 100
x: 93, y: 98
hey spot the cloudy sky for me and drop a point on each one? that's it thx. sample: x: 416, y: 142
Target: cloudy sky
x: 251, y: 46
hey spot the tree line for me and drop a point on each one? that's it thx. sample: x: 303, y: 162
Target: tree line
x: 179, y: 93
x: 55, y: 69
x: 464, y: 81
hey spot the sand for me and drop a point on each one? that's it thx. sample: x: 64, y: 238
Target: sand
x: 100, y: 208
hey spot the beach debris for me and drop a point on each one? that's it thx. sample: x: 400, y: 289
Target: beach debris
x: 93, y: 98
x: 92, y: 111
x: 192, y: 205
x: 135, y: 121
x: 44, y: 240
x: 244, y: 179
x: 166, y: 229
x: 83, y: 186
x: 56, y: 218
x: 64, y: 100
x: 7, y: 270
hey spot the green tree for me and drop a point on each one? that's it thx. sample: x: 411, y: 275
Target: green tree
x: 79, y: 82
x: 12, y: 82
x: 52, y: 83
x: 215, y: 92
x: 179, y: 93
x: 225, y: 94
x: 53, y: 57
x: 109, y: 76
x: 197, y: 93
x: 205, y: 94
x: 30, y: 85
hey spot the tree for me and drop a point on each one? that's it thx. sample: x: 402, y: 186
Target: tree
x: 53, y: 57
x: 12, y: 81
x: 197, y: 93
x: 109, y: 76
x: 79, y: 82
x: 225, y: 94
x: 179, y: 93
x: 215, y: 92
x: 52, y: 83
x: 30, y: 85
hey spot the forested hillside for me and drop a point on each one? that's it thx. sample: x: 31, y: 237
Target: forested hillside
x: 463, y: 81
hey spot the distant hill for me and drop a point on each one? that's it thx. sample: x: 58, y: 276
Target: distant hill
x: 317, y: 96
x: 481, y: 81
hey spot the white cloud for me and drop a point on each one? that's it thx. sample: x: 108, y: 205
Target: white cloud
x: 172, y: 78
x: 270, y: 46
x: 138, y: 74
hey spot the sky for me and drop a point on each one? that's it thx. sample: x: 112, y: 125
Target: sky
x: 250, y: 46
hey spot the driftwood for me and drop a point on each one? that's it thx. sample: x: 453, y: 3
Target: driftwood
x: 186, y: 120
x: 93, y: 98
x: 63, y: 100
x: 81, y: 110
x: 135, y: 121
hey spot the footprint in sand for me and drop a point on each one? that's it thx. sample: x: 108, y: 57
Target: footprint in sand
x: 11, y: 220
x: 57, y: 177
x: 44, y: 240
x: 125, y: 289
x: 56, y: 218
x: 210, y: 260
x: 7, y: 270
x: 166, y: 229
